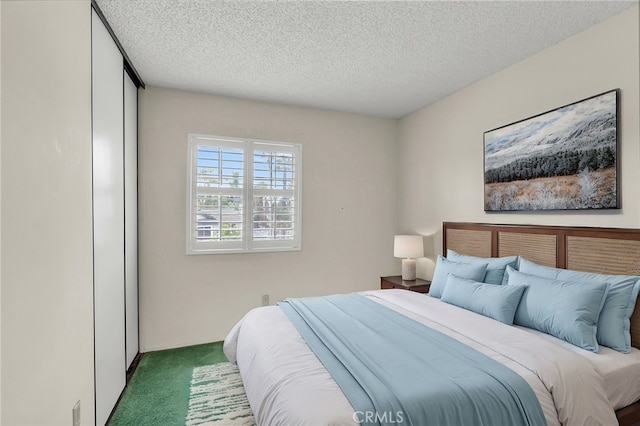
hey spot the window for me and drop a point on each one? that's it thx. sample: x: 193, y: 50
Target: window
x: 243, y: 195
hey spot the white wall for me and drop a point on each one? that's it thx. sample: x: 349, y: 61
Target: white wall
x: 441, y: 146
x: 46, y: 246
x: 349, y: 184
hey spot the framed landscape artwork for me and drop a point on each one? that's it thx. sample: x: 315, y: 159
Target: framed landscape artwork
x: 564, y: 159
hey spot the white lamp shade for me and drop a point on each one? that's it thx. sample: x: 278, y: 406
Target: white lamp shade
x: 408, y: 246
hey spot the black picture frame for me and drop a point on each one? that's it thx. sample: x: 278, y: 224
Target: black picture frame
x: 562, y: 159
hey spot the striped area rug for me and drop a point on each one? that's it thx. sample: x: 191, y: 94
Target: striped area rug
x: 217, y: 397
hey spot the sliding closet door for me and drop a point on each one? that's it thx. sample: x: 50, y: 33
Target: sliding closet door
x: 131, y: 215
x: 108, y: 219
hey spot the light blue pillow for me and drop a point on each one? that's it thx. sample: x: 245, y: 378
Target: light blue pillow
x: 494, y: 301
x: 565, y: 309
x: 613, y: 324
x: 444, y: 267
x: 496, y: 266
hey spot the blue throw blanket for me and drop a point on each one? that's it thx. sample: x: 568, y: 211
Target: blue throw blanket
x: 394, y: 370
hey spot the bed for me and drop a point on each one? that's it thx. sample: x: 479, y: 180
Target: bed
x: 286, y: 383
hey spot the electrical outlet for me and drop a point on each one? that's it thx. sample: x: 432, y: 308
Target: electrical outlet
x: 76, y: 414
x: 265, y: 300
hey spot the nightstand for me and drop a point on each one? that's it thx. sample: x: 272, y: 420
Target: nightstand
x: 418, y: 285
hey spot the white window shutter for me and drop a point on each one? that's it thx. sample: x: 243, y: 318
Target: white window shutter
x: 243, y: 195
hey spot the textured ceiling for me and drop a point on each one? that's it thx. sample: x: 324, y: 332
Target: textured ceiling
x: 376, y: 58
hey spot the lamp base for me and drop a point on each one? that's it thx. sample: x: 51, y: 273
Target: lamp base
x: 408, y: 269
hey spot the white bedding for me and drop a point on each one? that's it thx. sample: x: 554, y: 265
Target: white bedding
x: 621, y: 372
x: 287, y: 384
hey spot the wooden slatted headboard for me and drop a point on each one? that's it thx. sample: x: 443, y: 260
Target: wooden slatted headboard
x: 599, y: 250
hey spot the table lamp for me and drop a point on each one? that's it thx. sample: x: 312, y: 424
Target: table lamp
x: 408, y: 247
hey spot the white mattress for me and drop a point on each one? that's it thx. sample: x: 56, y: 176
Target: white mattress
x: 287, y: 384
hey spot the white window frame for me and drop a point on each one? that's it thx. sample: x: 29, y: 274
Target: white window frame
x: 247, y: 244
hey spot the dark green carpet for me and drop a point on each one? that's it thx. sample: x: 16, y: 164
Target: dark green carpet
x: 158, y: 393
